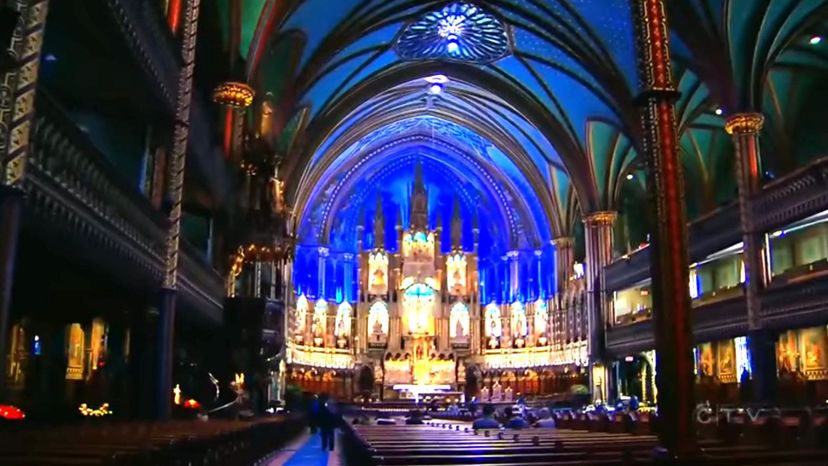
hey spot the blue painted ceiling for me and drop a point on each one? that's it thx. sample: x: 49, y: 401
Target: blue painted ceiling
x: 552, y: 120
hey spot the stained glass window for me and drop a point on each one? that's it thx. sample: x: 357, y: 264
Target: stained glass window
x: 459, y: 31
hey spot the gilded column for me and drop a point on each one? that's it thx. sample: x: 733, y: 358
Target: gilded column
x: 175, y: 189
x: 668, y: 247
x: 745, y: 127
x: 17, y: 94
x: 598, y: 238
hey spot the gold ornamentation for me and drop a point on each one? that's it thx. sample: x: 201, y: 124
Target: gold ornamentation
x: 233, y: 94
x: 18, y: 89
x: 606, y: 217
x: 563, y: 242
x: 744, y: 123
x: 177, y: 161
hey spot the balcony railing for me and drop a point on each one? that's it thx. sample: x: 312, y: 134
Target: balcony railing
x: 156, y: 50
x: 81, y: 203
x: 142, y: 23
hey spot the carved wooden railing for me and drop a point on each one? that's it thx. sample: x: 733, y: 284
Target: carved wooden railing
x: 800, y: 299
x: 76, y: 199
x: 783, y: 201
x: 142, y: 24
x: 716, y: 320
x: 793, y: 197
x: 154, y: 47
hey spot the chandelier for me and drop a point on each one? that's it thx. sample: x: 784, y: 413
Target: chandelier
x: 233, y: 94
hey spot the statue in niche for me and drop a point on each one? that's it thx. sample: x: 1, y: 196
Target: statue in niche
x: 496, y: 392
x: 318, y: 325
x: 460, y: 332
x: 379, y: 277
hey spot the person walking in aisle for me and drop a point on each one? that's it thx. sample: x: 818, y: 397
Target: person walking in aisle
x: 329, y: 419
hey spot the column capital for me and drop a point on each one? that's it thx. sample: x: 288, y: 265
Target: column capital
x: 744, y: 123
x: 323, y: 251
x: 564, y: 242
x: 513, y: 255
x: 348, y: 256
x: 601, y: 218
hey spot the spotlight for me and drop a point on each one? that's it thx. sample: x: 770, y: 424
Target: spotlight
x: 435, y: 89
x: 452, y: 47
x: 630, y: 176
x: 719, y: 111
x: 814, y: 40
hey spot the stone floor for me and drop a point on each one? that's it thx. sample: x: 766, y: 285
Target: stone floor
x: 307, y: 451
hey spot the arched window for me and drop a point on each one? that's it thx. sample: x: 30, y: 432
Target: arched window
x: 378, y: 319
x: 459, y: 321
x: 320, y: 311
x: 301, y: 314
x: 541, y: 317
x: 494, y: 327
x: 519, y: 324
x: 343, y: 319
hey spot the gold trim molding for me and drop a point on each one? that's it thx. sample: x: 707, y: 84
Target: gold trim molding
x: 744, y: 123
x: 601, y: 218
x: 563, y: 242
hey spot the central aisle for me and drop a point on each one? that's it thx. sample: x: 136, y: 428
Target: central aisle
x: 307, y: 451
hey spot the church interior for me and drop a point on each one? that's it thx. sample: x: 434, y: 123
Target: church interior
x: 609, y: 213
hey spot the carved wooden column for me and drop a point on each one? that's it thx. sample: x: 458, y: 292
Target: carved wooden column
x: 598, y: 237
x: 564, y: 259
x: 668, y: 247
x: 745, y: 127
x: 16, y: 111
x: 175, y: 190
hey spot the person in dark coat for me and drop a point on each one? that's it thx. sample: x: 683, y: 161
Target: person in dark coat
x: 314, y: 414
x: 329, y: 419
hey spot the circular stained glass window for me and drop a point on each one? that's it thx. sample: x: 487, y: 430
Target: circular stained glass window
x: 459, y: 31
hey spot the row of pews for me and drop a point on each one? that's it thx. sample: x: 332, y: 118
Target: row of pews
x: 172, y: 443
x: 780, y: 429
x: 455, y: 443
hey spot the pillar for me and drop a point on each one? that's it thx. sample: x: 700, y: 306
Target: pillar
x: 514, y: 274
x: 668, y: 247
x: 16, y: 112
x: 563, y: 262
x: 745, y: 127
x: 175, y: 190
x: 348, y: 277
x: 598, y: 235
x: 321, y: 269
x: 539, y: 274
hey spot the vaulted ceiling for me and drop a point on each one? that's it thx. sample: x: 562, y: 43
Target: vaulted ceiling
x: 547, y: 84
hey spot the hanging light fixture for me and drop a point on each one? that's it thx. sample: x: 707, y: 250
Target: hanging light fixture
x: 233, y: 94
